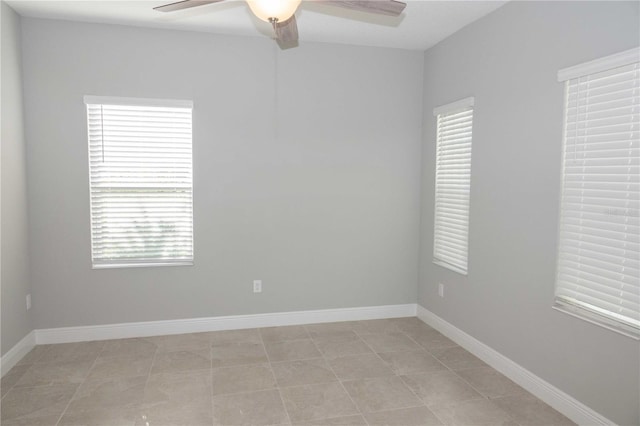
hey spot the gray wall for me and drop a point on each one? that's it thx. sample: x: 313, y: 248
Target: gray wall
x: 16, y: 320
x: 508, y: 61
x: 307, y: 178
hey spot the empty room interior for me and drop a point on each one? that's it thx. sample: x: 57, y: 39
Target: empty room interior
x: 320, y: 212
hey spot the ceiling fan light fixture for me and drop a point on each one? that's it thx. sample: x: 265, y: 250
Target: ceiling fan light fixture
x: 274, y: 10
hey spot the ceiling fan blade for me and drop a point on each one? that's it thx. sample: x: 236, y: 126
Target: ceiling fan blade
x: 184, y: 4
x: 381, y: 7
x: 287, y: 31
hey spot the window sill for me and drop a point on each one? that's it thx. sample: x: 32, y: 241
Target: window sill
x: 596, y: 319
x: 139, y: 265
x: 450, y: 267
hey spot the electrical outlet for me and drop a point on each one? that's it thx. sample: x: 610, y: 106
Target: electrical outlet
x: 440, y: 289
x: 28, y: 301
x: 257, y: 286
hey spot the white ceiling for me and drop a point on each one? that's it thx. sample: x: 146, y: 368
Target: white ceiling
x: 422, y: 24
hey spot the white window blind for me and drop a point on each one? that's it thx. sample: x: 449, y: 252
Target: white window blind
x: 598, y: 246
x: 140, y: 168
x: 453, y: 182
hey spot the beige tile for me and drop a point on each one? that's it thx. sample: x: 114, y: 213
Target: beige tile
x: 527, y: 410
x: 479, y: 412
x: 255, y: 408
x: 36, y: 406
x: 440, y: 387
x: 457, y: 358
x: 238, y: 354
x: 72, y: 352
x: 113, y: 393
x: 331, y: 329
x: 410, y: 324
x: 292, y: 350
x: 334, y: 346
x: 120, y: 366
x: 282, y: 334
x: 489, y: 382
x: 177, y: 342
x: 179, y: 391
x: 34, y: 354
x: 359, y: 367
x: 47, y: 420
x: 411, y: 362
x: 389, y: 342
x: 129, y: 347
x: 173, y: 414
x: 415, y: 416
x: 306, y: 372
x: 55, y: 373
x: 429, y: 338
x: 245, y: 378
x: 316, y: 402
x: 179, y: 388
x: 375, y: 326
x: 250, y: 335
x: 12, y: 377
x: 346, y: 420
x: 381, y: 394
x: 184, y: 360
x: 124, y: 416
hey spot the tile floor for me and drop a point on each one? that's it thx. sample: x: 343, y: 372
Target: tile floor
x: 379, y: 372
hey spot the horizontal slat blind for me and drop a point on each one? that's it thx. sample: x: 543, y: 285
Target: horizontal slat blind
x: 453, y: 179
x: 599, y: 243
x: 140, y: 168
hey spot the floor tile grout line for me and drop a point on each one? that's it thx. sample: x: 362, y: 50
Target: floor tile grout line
x: 484, y: 397
x: 246, y: 392
x: 478, y: 390
x: 279, y: 388
x: 295, y: 360
x: 275, y: 380
x: 78, y: 388
x: 457, y: 375
x: 239, y: 365
x: 427, y: 351
x: 408, y: 387
x: 265, y: 342
x: 13, y: 385
x: 213, y: 414
x: 144, y: 389
x: 424, y: 348
x: 193, y: 370
x: 398, y: 376
x: 416, y: 395
x: 309, y: 384
x: 340, y: 381
x: 447, y: 369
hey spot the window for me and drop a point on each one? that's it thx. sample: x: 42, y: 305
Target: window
x: 140, y: 174
x: 598, y: 245
x: 453, y: 182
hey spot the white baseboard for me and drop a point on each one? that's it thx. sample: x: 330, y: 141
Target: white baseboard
x: 567, y: 405
x: 15, y: 354
x: 234, y: 322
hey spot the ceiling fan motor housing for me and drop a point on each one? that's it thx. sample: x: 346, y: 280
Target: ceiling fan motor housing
x: 274, y: 11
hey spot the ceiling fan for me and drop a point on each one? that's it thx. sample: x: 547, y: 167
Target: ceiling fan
x: 281, y: 13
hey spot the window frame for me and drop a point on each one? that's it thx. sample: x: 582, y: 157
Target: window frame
x: 456, y: 107
x: 92, y: 100
x: 565, y: 75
